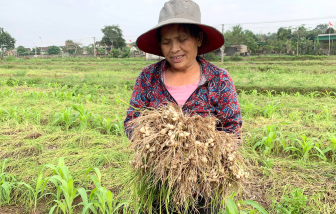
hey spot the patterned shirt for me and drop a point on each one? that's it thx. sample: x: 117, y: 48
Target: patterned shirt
x: 215, y: 95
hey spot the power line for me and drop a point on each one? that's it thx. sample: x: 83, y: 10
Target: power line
x: 292, y: 20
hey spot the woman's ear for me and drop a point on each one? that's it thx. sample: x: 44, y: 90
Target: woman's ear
x: 200, y: 39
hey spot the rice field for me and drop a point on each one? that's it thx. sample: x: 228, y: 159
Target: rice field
x: 63, y: 148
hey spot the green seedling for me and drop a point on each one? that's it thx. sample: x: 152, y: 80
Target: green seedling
x: 272, y: 135
x: 270, y: 109
x: 84, y: 115
x: 305, y: 147
x: 36, y: 193
x: 100, y: 198
x: 295, y: 202
x: 66, y: 118
x: 314, y: 94
x: 7, y: 184
x: 328, y: 93
x: 65, y: 186
x: 232, y: 208
x: 269, y: 93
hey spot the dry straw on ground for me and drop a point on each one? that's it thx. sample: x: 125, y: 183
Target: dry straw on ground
x: 186, y: 154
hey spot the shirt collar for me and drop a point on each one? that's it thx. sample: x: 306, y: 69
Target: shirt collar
x: 206, y: 72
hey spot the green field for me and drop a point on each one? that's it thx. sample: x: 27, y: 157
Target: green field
x: 74, y: 108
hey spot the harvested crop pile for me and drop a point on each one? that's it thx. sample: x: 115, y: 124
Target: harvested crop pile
x: 186, y: 156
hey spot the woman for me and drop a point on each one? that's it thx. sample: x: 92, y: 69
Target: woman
x: 183, y: 77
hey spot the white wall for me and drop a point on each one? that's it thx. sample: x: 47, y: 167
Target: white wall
x: 153, y: 57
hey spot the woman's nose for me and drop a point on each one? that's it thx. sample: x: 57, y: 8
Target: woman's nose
x: 175, y: 46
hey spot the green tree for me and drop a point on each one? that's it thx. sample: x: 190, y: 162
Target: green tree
x: 113, y: 37
x: 321, y: 28
x: 72, y: 47
x: 54, y: 50
x: 89, y: 49
x: 38, y: 51
x: 284, y: 33
x: 239, y: 36
x: 7, y: 42
x: 21, y: 50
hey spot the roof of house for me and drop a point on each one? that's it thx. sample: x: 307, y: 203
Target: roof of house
x: 324, y: 37
x: 44, y: 48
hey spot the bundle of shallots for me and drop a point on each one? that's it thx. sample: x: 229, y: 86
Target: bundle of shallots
x: 186, y: 155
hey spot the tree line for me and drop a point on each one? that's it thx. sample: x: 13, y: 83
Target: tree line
x: 112, y: 44
x: 285, y: 41
x: 289, y: 40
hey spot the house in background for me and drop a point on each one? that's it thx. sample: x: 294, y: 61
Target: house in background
x: 11, y: 53
x: 324, y: 42
x: 107, y: 49
x: 44, y: 50
x: 232, y: 49
x: 237, y: 48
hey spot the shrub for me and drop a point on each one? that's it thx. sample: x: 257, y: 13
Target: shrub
x: 211, y: 57
x: 236, y: 57
x: 10, y: 59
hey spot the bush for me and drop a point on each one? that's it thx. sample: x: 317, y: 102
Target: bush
x: 115, y: 53
x: 211, y: 57
x: 236, y: 57
x: 10, y: 58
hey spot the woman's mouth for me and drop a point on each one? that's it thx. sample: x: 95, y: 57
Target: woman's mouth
x: 177, y: 58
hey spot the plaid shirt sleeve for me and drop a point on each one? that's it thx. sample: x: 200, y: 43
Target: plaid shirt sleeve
x: 228, y: 109
x: 138, y: 101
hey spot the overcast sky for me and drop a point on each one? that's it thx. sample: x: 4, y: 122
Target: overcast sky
x: 58, y: 20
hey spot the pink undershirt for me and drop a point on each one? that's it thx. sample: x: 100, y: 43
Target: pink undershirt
x: 181, y: 93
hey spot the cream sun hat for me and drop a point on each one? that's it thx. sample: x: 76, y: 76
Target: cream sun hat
x: 180, y: 12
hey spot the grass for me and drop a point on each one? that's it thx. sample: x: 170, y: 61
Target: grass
x: 71, y: 108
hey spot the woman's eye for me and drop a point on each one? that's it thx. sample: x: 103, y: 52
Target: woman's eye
x: 182, y: 40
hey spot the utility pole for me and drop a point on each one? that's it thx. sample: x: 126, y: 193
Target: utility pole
x: 41, y: 48
x: 297, y: 44
x: 223, y: 47
x: 94, y: 46
x: 329, y: 42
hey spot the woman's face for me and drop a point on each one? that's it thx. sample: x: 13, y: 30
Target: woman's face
x: 179, y: 47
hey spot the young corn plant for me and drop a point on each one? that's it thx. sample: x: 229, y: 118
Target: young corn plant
x: 328, y: 93
x: 84, y: 115
x: 3, y: 83
x: 35, y: 193
x: 100, y: 199
x: 14, y: 115
x: 271, y: 140
x: 314, y: 94
x: 295, y: 202
x: 118, y: 126
x: 270, y: 109
x: 66, y: 118
x: 97, y: 122
x: 7, y: 184
x: 232, y: 208
x: 3, y: 114
x: 36, y: 115
x: 270, y: 93
x: 117, y: 100
x: 304, y: 148
x: 107, y: 125
x: 248, y: 108
x: 64, y: 184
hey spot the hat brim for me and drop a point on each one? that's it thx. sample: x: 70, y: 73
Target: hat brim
x: 149, y: 43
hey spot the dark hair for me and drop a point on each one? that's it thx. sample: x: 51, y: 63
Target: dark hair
x: 192, y: 29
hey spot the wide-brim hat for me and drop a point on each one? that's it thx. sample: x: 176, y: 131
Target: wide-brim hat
x: 180, y: 12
